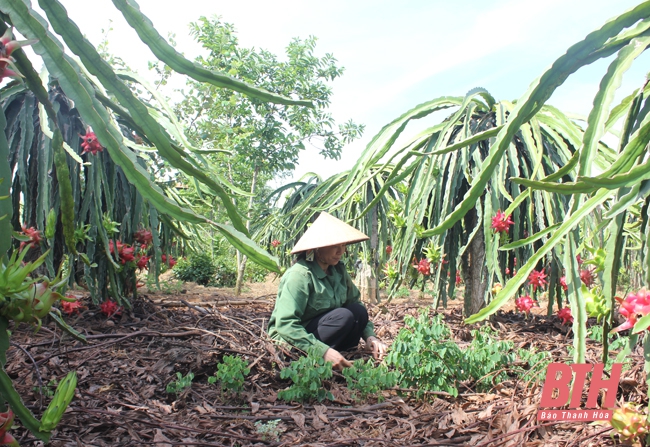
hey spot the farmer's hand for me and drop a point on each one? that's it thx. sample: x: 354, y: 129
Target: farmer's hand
x: 377, y: 347
x: 338, y: 361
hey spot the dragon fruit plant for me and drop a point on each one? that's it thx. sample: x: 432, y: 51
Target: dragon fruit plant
x: 629, y: 423
x: 27, y: 299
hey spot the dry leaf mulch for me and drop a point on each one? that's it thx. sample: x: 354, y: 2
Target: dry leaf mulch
x: 123, y: 370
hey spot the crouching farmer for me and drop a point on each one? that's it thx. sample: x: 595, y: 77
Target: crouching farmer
x: 318, y: 307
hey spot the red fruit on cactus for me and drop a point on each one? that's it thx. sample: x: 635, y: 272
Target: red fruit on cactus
x: 143, y: 237
x: 563, y: 283
x: 34, y: 236
x: 111, y: 247
x: 537, y: 279
x: 501, y: 222
x: 424, y: 266
x: 8, y: 440
x: 171, y: 263
x: 565, y: 315
x: 110, y: 308
x: 389, y: 249
x: 127, y: 254
x: 142, y: 261
x: 634, y: 306
x: 524, y: 303
x: 275, y: 243
x: 6, y: 422
x: 71, y: 307
x: 8, y: 46
x: 587, y: 276
x: 90, y: 143
x: 458, y: 278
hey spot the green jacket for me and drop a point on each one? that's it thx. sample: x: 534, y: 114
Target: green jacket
x: 305, y: 292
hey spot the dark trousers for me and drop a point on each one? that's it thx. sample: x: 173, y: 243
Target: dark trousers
x: 340, y: 328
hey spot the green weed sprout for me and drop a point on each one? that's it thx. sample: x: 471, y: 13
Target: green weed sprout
x: 231, y: 373
x: 181, y: 384
x: 307, y: 374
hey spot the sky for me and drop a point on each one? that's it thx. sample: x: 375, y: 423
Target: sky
x: 396, y: 54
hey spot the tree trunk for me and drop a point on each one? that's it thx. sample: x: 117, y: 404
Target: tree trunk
x: 242, y: 259
x: 474, y: 269
x: 368, y: 273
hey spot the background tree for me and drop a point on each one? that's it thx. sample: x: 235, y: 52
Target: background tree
x: 265, y: 139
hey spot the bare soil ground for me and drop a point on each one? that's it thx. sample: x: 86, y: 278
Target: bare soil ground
x: 121, y: 399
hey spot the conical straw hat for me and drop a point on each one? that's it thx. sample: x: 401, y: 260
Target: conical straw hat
x: 328, y: 230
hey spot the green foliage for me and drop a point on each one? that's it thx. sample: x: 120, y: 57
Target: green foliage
x: 231, y: 373
x: 269, y: 430
x: 617, y: 344
x: 226, y: 271
x: 488, y: 358
x: 536, y: 364
x: 307, y: 374
x: 198, y: 268
x: 367, y: 379
x: 255, y: 273
x: 48, y: 389
x: 264, y: 137
x: 427, y: 358
x: 616, y: 341
x: 180, y: 384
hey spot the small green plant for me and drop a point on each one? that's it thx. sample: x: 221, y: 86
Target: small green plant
x: 180, y: 384
x: 198, y: 268
x: 616, y: 341
x: 269, y: 430
x: 618, y: 344
x: 307, y: 374
x: 426, y: 357
x: 364, y: 378
x: 488, y: 358
x: 231, y: 373
x: 47, y: 390
x: 537, y: 362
